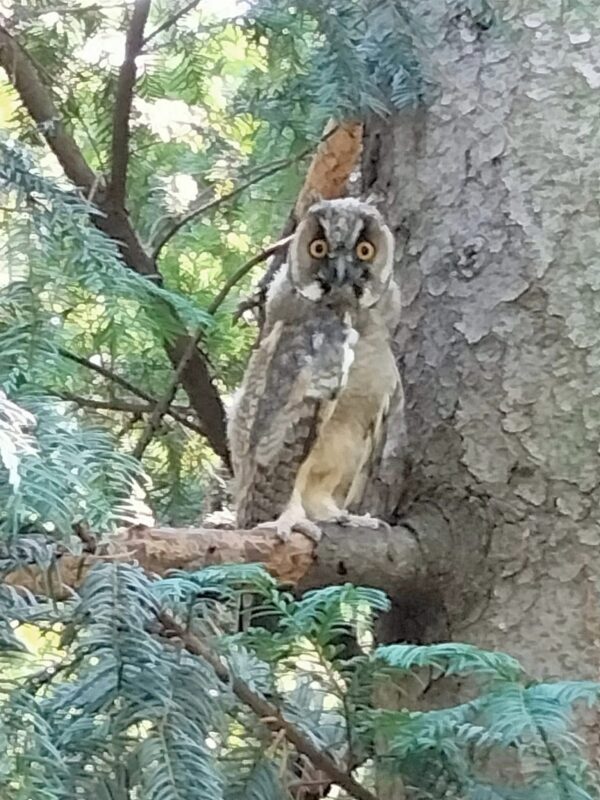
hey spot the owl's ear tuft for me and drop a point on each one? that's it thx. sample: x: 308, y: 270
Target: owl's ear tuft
x: 306, y: 201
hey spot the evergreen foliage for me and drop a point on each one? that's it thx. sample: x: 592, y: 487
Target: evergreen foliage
x: 105, y: 703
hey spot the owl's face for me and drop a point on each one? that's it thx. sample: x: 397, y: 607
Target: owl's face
x: 342, y: 254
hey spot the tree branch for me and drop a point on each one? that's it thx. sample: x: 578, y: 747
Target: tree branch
x: 392, y: 561
x: 115, y: 223
x: 196, y: 212
x: 122, y: 112
x: 170, y: 21
x: 130, y: 387
x: 267, y: 712
x: 434, y: 574
x: 243, y: 270
x: 36, y: 99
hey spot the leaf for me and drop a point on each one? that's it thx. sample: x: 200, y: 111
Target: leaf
x: 450, y: 659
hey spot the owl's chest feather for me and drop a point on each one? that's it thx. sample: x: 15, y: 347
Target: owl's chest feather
x: 372, y: 377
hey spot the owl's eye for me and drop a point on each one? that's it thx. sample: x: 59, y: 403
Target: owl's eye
x: 318, y: 248
x: 365, y: 251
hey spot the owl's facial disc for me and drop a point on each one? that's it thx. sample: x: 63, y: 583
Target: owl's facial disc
x: 342, y: 254
x: 341, y: 257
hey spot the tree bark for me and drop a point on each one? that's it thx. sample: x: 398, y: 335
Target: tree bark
x: 492, y: 192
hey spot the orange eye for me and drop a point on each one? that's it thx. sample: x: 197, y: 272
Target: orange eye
x: 365, y: 251
x: 318, y: 248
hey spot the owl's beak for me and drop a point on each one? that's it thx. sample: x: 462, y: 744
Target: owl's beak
x: 341, y: 271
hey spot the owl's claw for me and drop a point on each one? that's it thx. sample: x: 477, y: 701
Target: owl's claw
x: 361, y: 521
x: 310, y: 529
x: 284, y: 526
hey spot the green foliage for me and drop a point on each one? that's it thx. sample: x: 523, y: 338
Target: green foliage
x: 448, y: 659
x: 53, y: 474
x: 126, y: 709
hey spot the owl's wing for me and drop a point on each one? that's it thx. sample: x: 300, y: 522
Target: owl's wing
x: 289, y: 389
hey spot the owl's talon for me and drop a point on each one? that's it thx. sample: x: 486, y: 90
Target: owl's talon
x: 362, y: 521
x: 309, y: 529
x: 283, y: 527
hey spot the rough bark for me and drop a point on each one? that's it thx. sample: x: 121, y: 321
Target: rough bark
x: 394, y: 561
x: 491, y: 191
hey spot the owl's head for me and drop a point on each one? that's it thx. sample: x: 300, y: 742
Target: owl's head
x: 342, y: 253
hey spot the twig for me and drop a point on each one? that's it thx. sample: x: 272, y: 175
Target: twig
x: 127, y: 406
x: 39, y: 679
x: 243, y: 270
x: 122, y: 112
x: 170, y: 21
x: 164, y: 403
x: 195, y: 212
x: 105, y: 405
x: 130, y: 387
x: 267, y: 711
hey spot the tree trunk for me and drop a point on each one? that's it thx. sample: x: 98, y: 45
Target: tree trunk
x: 492, y: 192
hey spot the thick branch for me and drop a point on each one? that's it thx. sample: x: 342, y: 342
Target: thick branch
x: 332, y: 165
x: 384, y: 559
x: 429, y: 569
x: 266, y: 711
x: 36, y: 99
x: 122, y: 112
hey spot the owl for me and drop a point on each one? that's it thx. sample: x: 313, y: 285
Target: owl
x: 308, y: 417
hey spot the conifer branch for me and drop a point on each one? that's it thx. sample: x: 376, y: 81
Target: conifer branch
x: 130, y: 387
x: 170, y: 21
x: 115, y: 223
x: 122, y: 112
x: 266, y: 172
x: 266, y: 711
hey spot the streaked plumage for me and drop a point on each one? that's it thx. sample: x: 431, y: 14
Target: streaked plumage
x: 316, y: 391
